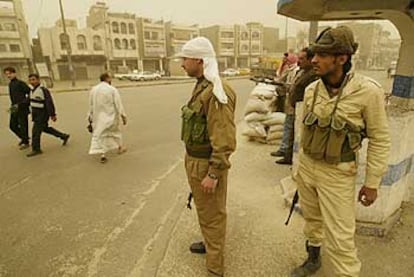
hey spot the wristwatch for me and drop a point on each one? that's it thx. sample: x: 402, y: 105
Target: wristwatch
x: 212, y: 176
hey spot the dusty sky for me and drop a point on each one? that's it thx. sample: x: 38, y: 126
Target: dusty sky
x: 207, y: 12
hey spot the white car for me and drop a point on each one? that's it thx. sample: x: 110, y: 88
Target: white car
x: 145, y: 76
x: 230, y: 72
x: 123, y: 76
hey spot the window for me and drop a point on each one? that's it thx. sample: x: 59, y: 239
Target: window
x: 1, y: 27
x: 133, y: 44
x: 64, y: 41
x: 123, y: 28
x: 227, y: 34
x: 255, y: 35
x: 131, y: 28
x: 3, y: 48
x: 227, y: 46
x: 81, y: 40
x: 155, y: 35
x: 11, y: 27
x: 244, y: 48
x: 244, y: 36
x: 14, y: 48
x: 97, y: 43
x: 117, y: 43
x: 147, y: 35
x: 125, y: 44
x: 255, y: 48
x: 115, y: 27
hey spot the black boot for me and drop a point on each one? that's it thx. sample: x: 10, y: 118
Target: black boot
x: 198, y: 248
x: 311, y: 265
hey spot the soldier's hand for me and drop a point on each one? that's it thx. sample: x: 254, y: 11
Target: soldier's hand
x: 124, y: 120
x: 209, y: 185
x: 54, y: 118
x: 367, y: 196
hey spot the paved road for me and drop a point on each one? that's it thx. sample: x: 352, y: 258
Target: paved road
x: 64, y: 214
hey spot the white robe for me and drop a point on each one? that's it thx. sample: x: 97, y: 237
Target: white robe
x: 105, y: 111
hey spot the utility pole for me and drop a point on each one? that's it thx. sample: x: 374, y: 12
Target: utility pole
x: 69, y: 48
x: 107, y: 44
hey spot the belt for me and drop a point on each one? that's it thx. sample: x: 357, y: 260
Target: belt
x: 198, y: 154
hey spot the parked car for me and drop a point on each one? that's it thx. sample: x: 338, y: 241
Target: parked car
x: 392, y: 70
x: 244, y: 71
x: 145, y: 76
x: 230, y: 72
x: 123, y: 76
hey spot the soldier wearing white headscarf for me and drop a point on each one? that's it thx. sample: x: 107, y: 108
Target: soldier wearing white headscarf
x: 209, y: 134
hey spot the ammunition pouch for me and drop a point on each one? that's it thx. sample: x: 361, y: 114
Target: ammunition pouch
x: 330, y: 139
x: 194, y: 128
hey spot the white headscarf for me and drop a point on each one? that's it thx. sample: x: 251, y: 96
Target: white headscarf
x: 201, y: 48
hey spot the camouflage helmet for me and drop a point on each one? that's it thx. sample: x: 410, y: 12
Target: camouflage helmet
x: 339, y: 40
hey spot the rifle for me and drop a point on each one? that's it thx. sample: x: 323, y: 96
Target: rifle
x: 292, y: 207
x: 190, y: 197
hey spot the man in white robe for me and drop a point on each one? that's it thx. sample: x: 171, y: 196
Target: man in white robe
x: 106, y: 113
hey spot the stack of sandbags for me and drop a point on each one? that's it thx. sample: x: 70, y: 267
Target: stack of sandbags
x: 257, y: 110
x: 274, y: 123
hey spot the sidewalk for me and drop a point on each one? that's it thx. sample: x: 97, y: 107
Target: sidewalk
x: 259, y: 244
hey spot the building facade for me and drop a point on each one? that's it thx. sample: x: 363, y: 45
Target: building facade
x: 176, y: 36
x: 87, y: 45
x: 152, y: 44
x: 121, y: 38
x: 237, y: 46
x: 15, y: 47
x: 224, y: 42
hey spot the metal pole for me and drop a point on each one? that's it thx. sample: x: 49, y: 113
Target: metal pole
x: 313, y: 31
x: 286, y: 33
x: 69, y: 48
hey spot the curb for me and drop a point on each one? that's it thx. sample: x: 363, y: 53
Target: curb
x: 137, y: 84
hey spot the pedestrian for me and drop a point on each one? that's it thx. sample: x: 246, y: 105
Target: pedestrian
x: 295, y: 93
x: 209, y: 134
x: 106, y: 113
x: 285, y: 75
x: 43, y: 109
x: 340, y: 109
x: 19, y: 93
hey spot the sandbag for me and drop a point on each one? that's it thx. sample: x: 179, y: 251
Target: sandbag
x: 276, y: 128
x: 255, y: 116
x: 264, y: 91
x: 255, y: 130
x: 260, y: 140
x: 255, y: 105
x: 274, y: 136
x: 275, y: 119
x: 274, y: 142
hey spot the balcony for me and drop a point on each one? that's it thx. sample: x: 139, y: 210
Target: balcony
x: 226, y: 52
x: 12, y: 55
x: 9, y: 35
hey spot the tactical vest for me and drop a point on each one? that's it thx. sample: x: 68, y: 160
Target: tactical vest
x: 331, y: 139
x: 194, y: 127
x: 37, y: 98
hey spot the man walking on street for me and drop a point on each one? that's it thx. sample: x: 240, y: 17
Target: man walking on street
x: 105, y: 114
x: 340, y: 109
x: 43, y: 109
x: 295, y: 93
x: 208, y: 132
x: 19, y: 93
